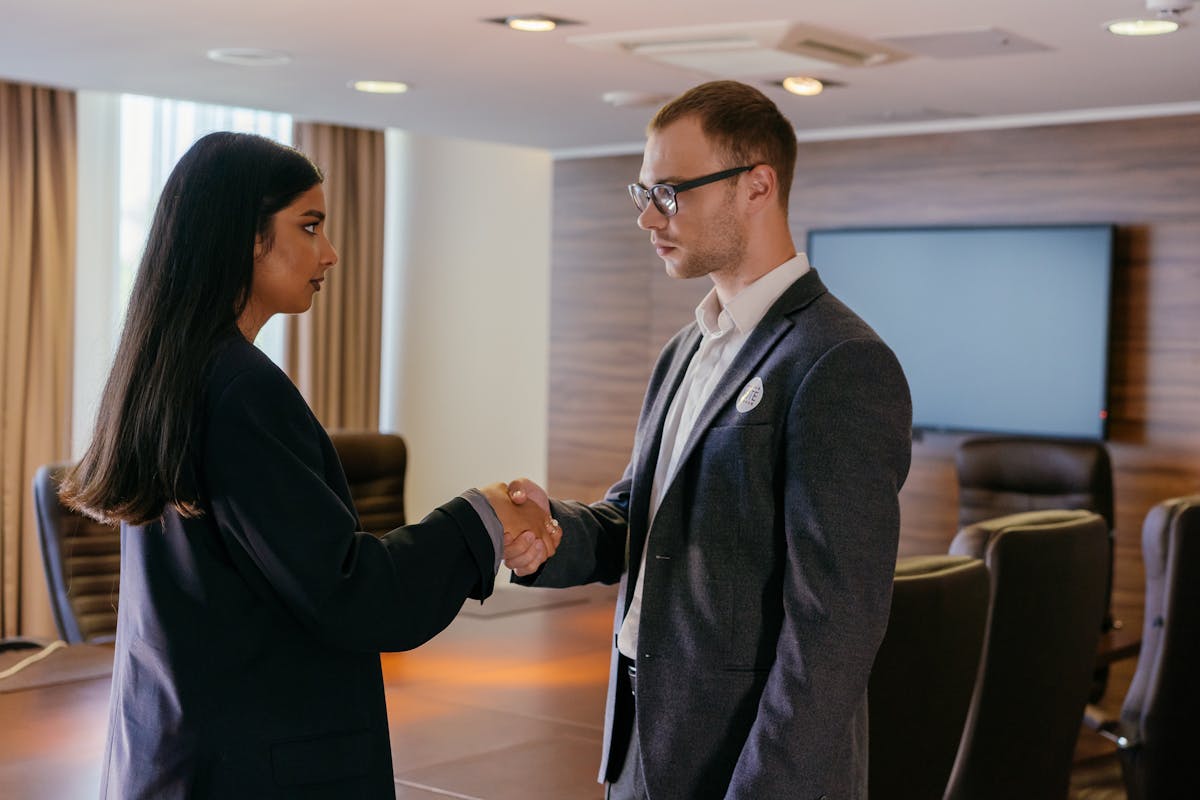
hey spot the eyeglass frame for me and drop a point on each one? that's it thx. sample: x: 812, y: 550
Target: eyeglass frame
x: 675, y: 188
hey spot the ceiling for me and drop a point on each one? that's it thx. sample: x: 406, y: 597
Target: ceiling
x: 475, y: 80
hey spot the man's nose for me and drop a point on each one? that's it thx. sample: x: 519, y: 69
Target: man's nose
x: 651, y: 219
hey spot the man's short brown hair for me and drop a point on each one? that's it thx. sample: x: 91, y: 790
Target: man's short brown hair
x: 742, y: 123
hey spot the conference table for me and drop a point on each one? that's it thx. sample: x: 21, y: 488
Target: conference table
x: 53, y: 719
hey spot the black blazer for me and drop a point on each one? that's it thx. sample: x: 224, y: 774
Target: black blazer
x: 247, y: 646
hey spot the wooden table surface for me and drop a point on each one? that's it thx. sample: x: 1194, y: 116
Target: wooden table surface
x: 53, y: 718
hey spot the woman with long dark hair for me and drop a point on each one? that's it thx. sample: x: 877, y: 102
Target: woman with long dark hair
x: 252, y: 611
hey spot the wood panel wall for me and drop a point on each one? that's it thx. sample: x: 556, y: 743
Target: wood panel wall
x: 613, y: 307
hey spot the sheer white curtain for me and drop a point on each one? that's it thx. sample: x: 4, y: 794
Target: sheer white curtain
x: 128, y: 146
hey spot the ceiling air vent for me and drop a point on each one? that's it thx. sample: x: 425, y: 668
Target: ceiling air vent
x: 747, y: 49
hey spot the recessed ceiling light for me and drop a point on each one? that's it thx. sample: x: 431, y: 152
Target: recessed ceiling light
x: 1142, y: 27
x: 249, y: 56
x: 532, y: 23
x: 379, y: 87
x: 803, y: 85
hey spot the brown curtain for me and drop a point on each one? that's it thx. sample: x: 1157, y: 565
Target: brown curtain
x: 333, y: 351
x: 37, y: 268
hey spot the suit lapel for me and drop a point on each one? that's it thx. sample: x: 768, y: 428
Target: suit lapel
x: 647, y: 457
x: 757, y: 347
x: 753, y: 352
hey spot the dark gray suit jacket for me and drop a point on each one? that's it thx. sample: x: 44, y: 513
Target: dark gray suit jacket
x: 769, y: 576
x: 248, y: 639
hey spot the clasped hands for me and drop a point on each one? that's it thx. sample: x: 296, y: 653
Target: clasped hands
x: 531, y: 534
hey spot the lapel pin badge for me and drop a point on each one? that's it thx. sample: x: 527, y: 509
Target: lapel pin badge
x: 750, y: 396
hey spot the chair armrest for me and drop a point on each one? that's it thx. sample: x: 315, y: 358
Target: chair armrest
x: 1098, y: 720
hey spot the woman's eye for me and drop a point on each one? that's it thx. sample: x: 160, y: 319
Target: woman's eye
x: 312, y: 227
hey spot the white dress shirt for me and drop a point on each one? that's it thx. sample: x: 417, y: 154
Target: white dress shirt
x: 724, y: 332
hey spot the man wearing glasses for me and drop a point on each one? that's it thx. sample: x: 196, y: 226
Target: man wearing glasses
x: 754, y: 531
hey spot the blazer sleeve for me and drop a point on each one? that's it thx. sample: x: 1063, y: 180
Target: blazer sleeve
x: 594, y: 546
x: 264, y: 469
x: 847, y: 449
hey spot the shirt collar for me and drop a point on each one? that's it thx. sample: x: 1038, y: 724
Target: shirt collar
x: 747, y: 308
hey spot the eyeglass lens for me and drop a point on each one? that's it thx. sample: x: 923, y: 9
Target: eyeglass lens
x: 661, y: 195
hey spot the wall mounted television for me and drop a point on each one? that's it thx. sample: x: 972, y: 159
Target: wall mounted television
x: 1000, y: 329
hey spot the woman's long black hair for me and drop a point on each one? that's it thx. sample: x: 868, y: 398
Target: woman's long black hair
x: 191, y: 286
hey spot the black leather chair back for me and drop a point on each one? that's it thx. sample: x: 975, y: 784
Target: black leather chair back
x: 1010, y: 474
x: 82, y: 559
x: 1160, y: 718
x: 924, y: 674
x: 375, y: 465
x: 1047, y: 573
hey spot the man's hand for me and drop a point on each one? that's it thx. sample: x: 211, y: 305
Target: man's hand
x: 530, y: 536
x: 523, y: 489
x: 525, y: 554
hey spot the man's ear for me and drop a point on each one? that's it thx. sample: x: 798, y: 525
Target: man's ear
x: 763, y: 185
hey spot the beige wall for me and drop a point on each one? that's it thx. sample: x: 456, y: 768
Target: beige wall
x: 466, y: 321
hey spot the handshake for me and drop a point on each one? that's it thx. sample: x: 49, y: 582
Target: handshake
x: 531, y: 534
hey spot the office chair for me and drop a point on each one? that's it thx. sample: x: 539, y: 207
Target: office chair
x: 921, y: 684
x: 82, y: 559
x: 375, y: 466
x: 1047, y: 573
x: 1157, y: 734
x: 1009, y: 474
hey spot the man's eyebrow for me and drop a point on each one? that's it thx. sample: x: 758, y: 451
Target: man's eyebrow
x: 670, y: 179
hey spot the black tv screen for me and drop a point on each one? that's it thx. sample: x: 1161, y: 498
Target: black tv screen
x: 999, y: 329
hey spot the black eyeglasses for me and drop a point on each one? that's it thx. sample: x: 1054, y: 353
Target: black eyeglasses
x: 663, y: 194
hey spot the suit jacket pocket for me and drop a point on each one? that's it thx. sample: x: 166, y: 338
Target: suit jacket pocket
x: 317, y: 759
x: 733, y: 476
